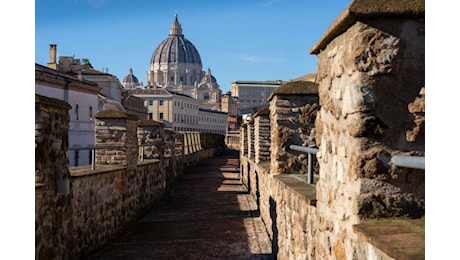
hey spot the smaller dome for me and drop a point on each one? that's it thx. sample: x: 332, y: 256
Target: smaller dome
x: 208, y: 77
x: 130, y: 81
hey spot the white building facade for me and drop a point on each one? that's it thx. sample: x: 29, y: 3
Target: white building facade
x: 180, y: 112
x: 253, y: 94
x: 82, y: 96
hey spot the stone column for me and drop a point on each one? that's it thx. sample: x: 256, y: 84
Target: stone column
x: 179, y: 144
x: 53, y: 206
x: 262, y: 136
x: 371, y: 67
x: 244, y: 140
x: 250, y: 139
x: 293, y: 109
x: 170, y: 143
x: 117, y: 131
x: 150, y: 132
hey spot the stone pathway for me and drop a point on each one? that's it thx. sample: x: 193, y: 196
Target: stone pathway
x: 208, y: 214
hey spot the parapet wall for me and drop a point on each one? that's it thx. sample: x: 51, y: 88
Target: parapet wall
x: 51, y: 168
x: 369, y: 107
x: 106, y: 200
x: 368, y: 77
x: 279, y: 182
x: 79, y: 209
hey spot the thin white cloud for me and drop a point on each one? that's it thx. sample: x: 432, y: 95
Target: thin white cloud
x: 251, y: 59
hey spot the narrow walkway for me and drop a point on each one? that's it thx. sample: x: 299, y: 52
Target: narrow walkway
x: 208, y: 214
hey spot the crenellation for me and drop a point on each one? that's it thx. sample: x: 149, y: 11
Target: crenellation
x: 368, y: 106
x: 102, y: 202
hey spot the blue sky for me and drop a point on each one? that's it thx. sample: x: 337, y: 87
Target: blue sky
x: 237, y: 40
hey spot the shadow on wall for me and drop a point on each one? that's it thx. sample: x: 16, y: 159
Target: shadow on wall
x: 257, y: 192
x: 274, y: 228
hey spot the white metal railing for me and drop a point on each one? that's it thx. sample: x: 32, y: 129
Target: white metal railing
x: 407, y: 161
x: 415, y: 162
x: 93, y: 149
x: 310, y: 151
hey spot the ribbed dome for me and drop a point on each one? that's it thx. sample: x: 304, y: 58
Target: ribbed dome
x: 130, y: 80
x: 176, y: 48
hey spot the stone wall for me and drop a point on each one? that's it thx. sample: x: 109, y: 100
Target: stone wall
x: 117, y: 131
x: 53, y: 206
x: 244, y: 139
x: 79, y: 209
x: 368, y: 75
x: 369, y: 107
x: 105, y: 201
x: 287, y: 207
x: 285, y: 200
x: 293, y: 109
x: 233, y: 140
x: 250, y: 140
x: 151, y: 134
x: 262, y: 131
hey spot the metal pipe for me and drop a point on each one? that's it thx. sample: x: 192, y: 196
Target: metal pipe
x: 310, y: 151
x: 142, y: 153
x: 304, y: 149
x: 92, y: 149
x: 416, y: 162
x: 93, y: 159
x: 310, y: 168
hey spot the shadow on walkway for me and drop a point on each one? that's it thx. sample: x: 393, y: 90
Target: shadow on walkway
x: 208, y: 214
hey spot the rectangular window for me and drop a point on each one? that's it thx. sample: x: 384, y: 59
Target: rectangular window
x: 161, y: 115
x: 161, y: 102
x: 76, y: 111
x: 90, y: 113
x: 150, y: 116
x: 150, y: 102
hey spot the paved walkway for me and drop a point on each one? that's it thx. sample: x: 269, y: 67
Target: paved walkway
x: 207, y: 215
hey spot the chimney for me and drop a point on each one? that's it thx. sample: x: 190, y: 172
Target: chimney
x: 53, y: 50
